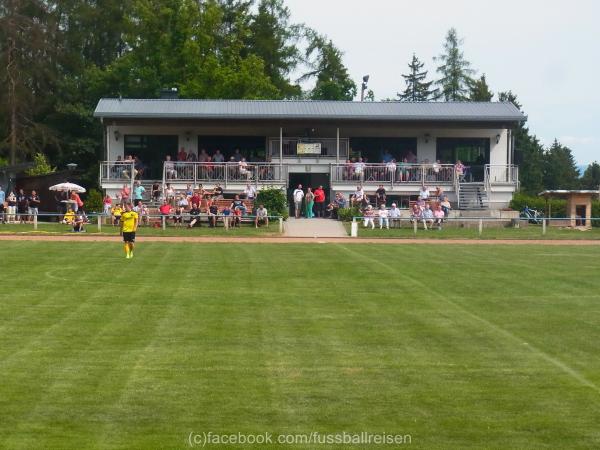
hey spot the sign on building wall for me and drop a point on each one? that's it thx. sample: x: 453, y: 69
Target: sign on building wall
x: 306, y: 148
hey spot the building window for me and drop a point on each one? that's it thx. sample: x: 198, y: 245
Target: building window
x: 151, y: 150
x: 471, y: 151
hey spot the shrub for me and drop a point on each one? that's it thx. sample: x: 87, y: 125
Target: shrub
x: 520, y: 200
x: 41, y: 166
x: 94, y: 201
x: 346, y: 214
x: 274, y: 200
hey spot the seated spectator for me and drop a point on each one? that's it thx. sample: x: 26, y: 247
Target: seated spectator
x: 427, y: 216
x: 368, y: 217
x: 165, y: 210
x: 420, y: 203
x: 189, y: 191
x: 218, y: 192
x: 237, y: 217
x: 416, y: 213
x: 262, y: 216
x: 169, y: 194
x: 143, y: 213
x: 194, y: 216
x: 183, y: 202
x: 170, y: 171
x: 380, y: 195
x: 116, y: 213
x: 438, y: 193
x: 438, y: 216
x: 424, y: 192
x: 445, y: 205
x: 394, y: 215
x: 237, y: 203
x: 365, y: 203
x: 78, y: 223
x: 383, y: 217
x: 226, y: 213
x: 358, y: 196
x: 69, y: 217
x: 340, y: 200
x: 213, y: 214
x: 178, y: 216
x: 196, y: 199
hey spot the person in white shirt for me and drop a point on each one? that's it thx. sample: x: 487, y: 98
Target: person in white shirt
x: 383, y: 217
x: 170, y: 168
x: 358, y: 196
x: 427, y: 216
x: 298, y: 196
x: 250, y: 192
x: 424, y: 192
x: 359, y: 167
x: 368, y: 216
x: 394, y: 215
x: 262, y: 216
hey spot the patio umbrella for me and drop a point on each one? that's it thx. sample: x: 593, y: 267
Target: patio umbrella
x: 64, y: 187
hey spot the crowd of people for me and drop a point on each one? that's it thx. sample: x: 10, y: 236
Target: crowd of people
x: 189, y: 207
x: 19, y: 207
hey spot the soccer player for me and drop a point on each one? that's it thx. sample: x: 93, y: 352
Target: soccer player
x: 129, y: 224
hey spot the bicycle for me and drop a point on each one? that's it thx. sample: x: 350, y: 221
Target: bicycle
x: 532, y: 215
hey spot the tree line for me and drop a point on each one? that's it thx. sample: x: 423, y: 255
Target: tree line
x: 59, y: 57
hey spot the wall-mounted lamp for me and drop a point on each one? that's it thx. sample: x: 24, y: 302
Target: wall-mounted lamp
x: 427, y: 137
x: 497, y: 139
x: 117, y: 135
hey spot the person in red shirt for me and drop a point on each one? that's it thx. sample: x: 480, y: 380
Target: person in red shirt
x: 76, y: 201
x: 181, y: 155
x: 320, y: 201
x: 165, y: 210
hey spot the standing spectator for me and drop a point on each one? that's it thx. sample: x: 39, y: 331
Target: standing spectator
x: 320, y: 201
x: 218, y: 157
x: 237, y: 156
x: 438, y: 215
x: 359, y: 168
x: 181, y: 155
x: 416, y: 214
x: 427, y: 216
x: 244, y: 169
x: 34, y: 205
x: 192, y: 157
x: 358, y: 196
x: 226, y: 216
x: 309, y: 200
x: 116, y: 213
x: 203, y: 156
x: 143, y: 213
x: 368, y: 217
x: 383, y: 217
x: 169, y: 193
x: 22, y: 206
x: 139, y: 167
x: 340, y: 200
x: 250, y: 192
x: 298, y: 195
x: 380, y: 195
x: 125, y: 193
x: 459, y: 170
x: 178, y: 216
x: 394, y: 215
x: 107, y: 203
x: 11, y: 201
x: 155, y: 191
x: 218, y: 192
x: 424, y: 192
x: 213, y: 214
x: 445, y: 205
x: 262, y: 216
x: 138, y: 192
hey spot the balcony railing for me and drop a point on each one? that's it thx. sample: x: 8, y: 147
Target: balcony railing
x: 195, y: 172
x: 117, y: 171
x: 502, y: 174
x: 392, y: 173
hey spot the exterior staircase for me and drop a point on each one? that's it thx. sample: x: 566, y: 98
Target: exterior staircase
x: 472, y: 196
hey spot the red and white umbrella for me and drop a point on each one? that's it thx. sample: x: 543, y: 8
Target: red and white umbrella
x: 66, y: 187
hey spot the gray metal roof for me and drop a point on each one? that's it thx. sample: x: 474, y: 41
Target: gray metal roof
x: 308, y: 109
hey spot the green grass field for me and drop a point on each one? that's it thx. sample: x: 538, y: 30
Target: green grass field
x: 457, y: 346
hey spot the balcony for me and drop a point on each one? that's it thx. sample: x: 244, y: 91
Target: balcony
x: 392, y: 174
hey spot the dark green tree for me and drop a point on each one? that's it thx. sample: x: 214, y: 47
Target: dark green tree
x: 591, y: 177
x: 417, y: 89
x: 480, y: 91
x: 560, y: 170
x: 455, y: 71
x: 325, y: 63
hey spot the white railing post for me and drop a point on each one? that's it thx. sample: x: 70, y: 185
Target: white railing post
x: 164, y: 223
x: 281, y: 225
x: 480, y: 227
x: 35, y: 222
x: 99, y: 217
x: 354, y: 228
x: 543, y: 227
x: 415, y: 225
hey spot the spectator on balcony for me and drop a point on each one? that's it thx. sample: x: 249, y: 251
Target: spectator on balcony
x: 181, y: 155
x: 383, y: 214
x: 380, y: 195
x: 411, y: 158
x: 390, y: 168
x: 446, y: 206
x: 436, y: 168
x: 127, y: 167
x: 386, y: 157
x: 138, y: 192
x: 298, y: 196
x: 424, y: 192
x: 139, y: 167
x: 245, y: 171
x: 218, y: 157
x: 394, y: 215
x: 459, y: 170
x: 192, y: 157
x: 170, y: 171
x: 403, y: 170
x: 203, y: 156
x: 359, y: 168
x: 237, y: 156
x: 209, y: 167
x: 320, y: 201
x: 348, y: 170
x: 369, y: 217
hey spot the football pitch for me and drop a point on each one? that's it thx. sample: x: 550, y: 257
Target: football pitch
x: 451, y: 346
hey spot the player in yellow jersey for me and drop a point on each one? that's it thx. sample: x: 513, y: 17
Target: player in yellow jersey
x: 129, y: 224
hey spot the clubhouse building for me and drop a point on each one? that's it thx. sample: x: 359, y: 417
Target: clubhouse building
x: 338, y: 145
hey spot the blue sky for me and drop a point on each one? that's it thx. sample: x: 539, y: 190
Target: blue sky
x: 547, y: 52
